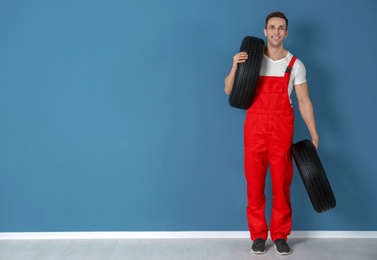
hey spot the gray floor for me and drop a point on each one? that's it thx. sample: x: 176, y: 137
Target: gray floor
x: 187, y: 249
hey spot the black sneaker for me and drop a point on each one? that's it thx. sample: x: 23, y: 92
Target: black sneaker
x: 282, y: 247
x: 259, y: 246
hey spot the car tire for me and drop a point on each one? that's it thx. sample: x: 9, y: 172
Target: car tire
x: 313, y: 176
x: 247, y: 73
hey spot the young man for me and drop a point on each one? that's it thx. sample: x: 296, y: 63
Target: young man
x: 268, y: 134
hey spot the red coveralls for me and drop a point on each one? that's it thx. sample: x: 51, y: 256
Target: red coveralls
x: 268, y: 136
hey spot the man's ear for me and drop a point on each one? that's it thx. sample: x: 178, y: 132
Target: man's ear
x: 265, y: 32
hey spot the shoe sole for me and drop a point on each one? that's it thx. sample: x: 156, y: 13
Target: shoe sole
x: 258, y: 252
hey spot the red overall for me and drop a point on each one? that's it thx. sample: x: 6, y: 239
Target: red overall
x: 268, y: 136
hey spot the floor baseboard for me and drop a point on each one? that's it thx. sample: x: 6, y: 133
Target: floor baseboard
x: 177, y: 235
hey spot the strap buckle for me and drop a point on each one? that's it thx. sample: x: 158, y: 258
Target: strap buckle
x: 289, y: 69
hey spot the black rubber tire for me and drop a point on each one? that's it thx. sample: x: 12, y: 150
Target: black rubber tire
x: 247, y: 73
x: 313, y: 176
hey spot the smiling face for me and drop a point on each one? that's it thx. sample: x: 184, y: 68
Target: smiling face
x: 276, y: 31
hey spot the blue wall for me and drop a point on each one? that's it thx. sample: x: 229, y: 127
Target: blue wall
x: 113, y: 115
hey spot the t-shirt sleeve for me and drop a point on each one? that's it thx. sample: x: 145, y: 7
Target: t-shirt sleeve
x: 299, y: 72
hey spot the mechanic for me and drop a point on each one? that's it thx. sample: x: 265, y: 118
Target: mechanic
x: 268, y: 134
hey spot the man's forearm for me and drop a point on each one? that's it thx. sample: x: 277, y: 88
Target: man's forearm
x: 229, y: 81
x: 307, y: 113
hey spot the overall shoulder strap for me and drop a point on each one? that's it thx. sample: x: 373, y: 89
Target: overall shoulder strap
x: 290, y: 65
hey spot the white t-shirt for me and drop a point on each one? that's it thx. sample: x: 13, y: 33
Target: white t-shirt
x: 278, y: 67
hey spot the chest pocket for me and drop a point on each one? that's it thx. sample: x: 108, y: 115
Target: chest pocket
x: 271, y: 85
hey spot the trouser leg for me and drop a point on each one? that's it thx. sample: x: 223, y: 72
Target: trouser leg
x: 281, y: 169
x: 256, y: 163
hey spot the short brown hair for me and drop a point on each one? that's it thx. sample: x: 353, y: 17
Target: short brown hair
x: 277, y: 14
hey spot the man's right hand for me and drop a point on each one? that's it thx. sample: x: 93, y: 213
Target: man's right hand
x: 240, y: 57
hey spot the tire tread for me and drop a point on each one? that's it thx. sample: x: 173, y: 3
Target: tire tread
x: 247, y: 73
x: 313, y: 176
